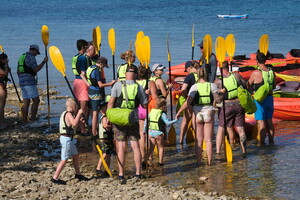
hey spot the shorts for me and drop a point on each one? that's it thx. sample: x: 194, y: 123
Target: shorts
x: 80, y: 90
x: 107, y: 146
x: 68, y: 147
x: 124, y: 132
x: 204, y: 113
x: 29, y: 91
x: 152, y: 104
x: 265, y: 109
x: 142, y: 112
x: 234, y: 113
x: 95, y: 99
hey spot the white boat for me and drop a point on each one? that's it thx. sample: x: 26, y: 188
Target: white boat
x: 244, y: 16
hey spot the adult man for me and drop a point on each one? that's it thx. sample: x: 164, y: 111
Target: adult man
x: 234, y: 113
x: 211, y: 68
x: 128, y: 94
x: 265, y: 109
x: 27, y: 70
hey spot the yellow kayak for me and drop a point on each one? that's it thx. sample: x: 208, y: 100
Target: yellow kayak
x: 288, y: 77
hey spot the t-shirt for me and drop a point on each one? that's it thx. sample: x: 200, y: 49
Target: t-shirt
x: 190, y: 80
x: 96, y: 74
x: 25, y: 78
x: 116, y: 91
x: 81, y: 64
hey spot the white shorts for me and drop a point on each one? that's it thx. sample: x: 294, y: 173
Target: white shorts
x: 68, y: 147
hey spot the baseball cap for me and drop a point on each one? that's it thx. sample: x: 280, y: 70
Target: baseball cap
x: 35, y: 46
x: 157, y: 66
x: 103, y: 60
x: 200, y: 44
x: 188, y: 64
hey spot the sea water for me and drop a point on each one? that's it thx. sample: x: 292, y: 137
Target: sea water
x: 68, y: 21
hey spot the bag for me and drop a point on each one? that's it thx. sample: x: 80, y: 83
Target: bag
x: 246, y: 100
x: 120, y: 116
x: 180, y: 102
x: 261, y: 94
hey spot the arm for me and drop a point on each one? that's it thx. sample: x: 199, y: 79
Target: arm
x: 40, y: 66
x: 73, y: 121
x: 184, y: 91
x: 218, y: 94
x: 153, y: 90
x: 6, y: 69
x: 167, y: 121
x: 83, y: 77
x: 111, y: 102
x: 184, y: 106
x: 102, y: 85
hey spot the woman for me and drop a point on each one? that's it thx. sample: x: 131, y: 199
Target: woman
x: 162, y: 88
x: 152, y: 92
x: 4, y: 70
x: 129, y: 57
x: 202, y: 95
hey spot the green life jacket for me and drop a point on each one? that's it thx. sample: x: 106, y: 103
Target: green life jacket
x: 121, y: 72
x: 142, y: 83
x: 231, y: 86
x: 23, y: 68
x: 268, y: 77
x: 204, y: 95
x: 92, y: 81
x: 155, y: 122
x: 129, y: 91
x: 154, y: 78
x: 76, y: 68
x: 63, y: 128
x: 196, y: 77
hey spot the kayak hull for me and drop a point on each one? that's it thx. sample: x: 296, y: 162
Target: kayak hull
x: 287, y: 108
x: 244, y: 16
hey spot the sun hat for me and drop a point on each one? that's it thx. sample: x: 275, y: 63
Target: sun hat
x: 157, y: 66
x: 36, y: 47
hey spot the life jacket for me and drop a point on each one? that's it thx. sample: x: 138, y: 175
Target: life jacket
x: 63, y: 128
x: 154, y: 78
x: 231, y: 86
x: 156, y: 122
x: 23, y: 68
x: 128, y: 97
x: 76, y: 68
x: 268, y: 77
x: 204, y: 95
x: 104, y: 133
x: 142, y: 83
x: 92, y: 81
x: 195, y: 76
x: 121, y: 72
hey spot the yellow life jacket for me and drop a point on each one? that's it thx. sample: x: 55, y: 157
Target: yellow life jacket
x: 92, y: 81
x: 63, y: 128
x: 268, y: 77
x: 204, y: 96
x: 128, y: 97
x: 121, y: 72
x: 231, y: 86
x: 155, y: 122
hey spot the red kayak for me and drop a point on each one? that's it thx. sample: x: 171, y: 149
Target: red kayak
x: 287, y: 108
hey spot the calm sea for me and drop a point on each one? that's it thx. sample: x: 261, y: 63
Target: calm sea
x: 21, y: 21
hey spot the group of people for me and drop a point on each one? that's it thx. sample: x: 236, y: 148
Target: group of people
x: 137, y: 91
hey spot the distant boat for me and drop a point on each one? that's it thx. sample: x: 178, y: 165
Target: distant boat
x: 244, y: 16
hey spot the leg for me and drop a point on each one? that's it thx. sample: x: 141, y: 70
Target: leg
x: 100, y: 161
x: 34, y: 108
x: 84, y: 107
x: 219, y: 139
x: 208, y: 134
x: 231, y: 134
x: 59, y: 168
x: 185, y: 120
x: 271, y: 130
x: 137, y: 156
x: 160, y: 144
x: 199, y: 140
x: 95, y: 123
x: 3, y: 96
x: 76, y: 163
x: 24, y: 109
x: 152, y: 142
x: 142, y: 139
x: 242, y: 134
x: 261, y: 131
x: 121, y: 145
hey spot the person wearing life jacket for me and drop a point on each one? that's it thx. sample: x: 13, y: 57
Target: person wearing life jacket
x: 67, y: 125
x: 162, y: 88
x: 157, y: 128
x: 234, y: 112
x: 4, y: 70
x: 191, y: 67
x: 265, y: 109
x: 201, y: 96
x: 27, y: 71
x: 129, y: 58
x: 96, y: 89
x: 143, y: 76
x: 128, y: 94
x: 211, y: 67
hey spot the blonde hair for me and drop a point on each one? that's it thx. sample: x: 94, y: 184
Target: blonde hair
x: 70, y: 102
x: 125, y: 55
x: 161, y: 103
x: 202, y: 73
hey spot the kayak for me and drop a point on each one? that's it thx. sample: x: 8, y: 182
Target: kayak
x: 294, y: 73
x: 286, y: 108
x: 244, y: 16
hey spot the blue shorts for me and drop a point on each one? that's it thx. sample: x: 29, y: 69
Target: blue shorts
x: 29, y: 91
x: 68, y: 147
x: 265, y: 109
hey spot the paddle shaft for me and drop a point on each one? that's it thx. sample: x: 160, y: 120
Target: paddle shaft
x: 171, y: 100
x: 47, y: 81
x: 114, y: 71
x: 231, y: 63
x: 12, y: 78
x: 193, y: 48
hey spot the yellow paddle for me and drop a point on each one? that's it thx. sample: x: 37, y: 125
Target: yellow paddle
x: 112, y: 45
x: 264, y: 44
x: 58, y: 62
x: 138, y: 49
x: 172, y: 132
x: 221, y: 54
x: 45, y: 38
x: 207, y: 47
x: 193, y: 41
x: 12, y: 79
x: 230, y: 48
x: 97, y: 39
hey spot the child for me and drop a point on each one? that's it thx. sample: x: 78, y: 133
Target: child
x: 106, y: 142
x: 66, y: 128
x: 157, y: 128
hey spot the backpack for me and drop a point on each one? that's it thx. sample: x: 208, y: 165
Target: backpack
x: 246, y: 100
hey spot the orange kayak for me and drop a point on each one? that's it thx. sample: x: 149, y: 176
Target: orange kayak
x: 287, y: 108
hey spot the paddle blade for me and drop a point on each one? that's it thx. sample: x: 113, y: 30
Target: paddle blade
x: 207, y: 47
x: 112, y: 40
x: 220, y: 50
x: 230, y: 45
x: 193, y: 35
x: 99, y: 37
x: 264, y: 44
x: 138, y: 49
x: 103, y: 161
x: 147, y: 51
x: 1, y: 48
x: 228, y: 151
x: 45, y: 35
x: 57, y: 59
x: 190, y: 134
x: 95, y: 40
x: 172, y: 136
x: 168, y: 49
x: 129, y: 55
x: 140, y: 35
